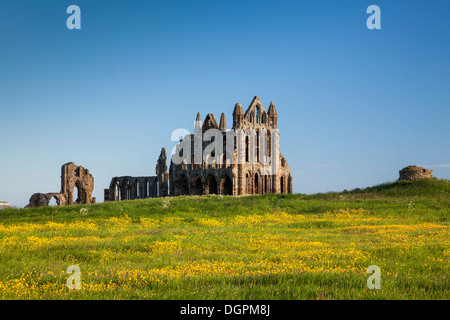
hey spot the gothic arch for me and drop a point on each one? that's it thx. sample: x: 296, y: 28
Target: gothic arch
x: 249, y: 182
x: 211, y: 185
x: 264, y: 117
x: 197, y: 185
x: 257, y: 183
x: 255, y: 112
x: 117, y: 191
x: 77, y: 193
x: 226, y: 185
x: 182, y: 185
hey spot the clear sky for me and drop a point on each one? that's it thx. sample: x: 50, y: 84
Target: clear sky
x: 354, y: 105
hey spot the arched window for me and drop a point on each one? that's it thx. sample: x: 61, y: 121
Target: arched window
x: 227, y: 185
x: 256, y: 191
x: 75, y: 194
x: 197, y: 188
x: 211, y: 185
x: 246, y: 183
x: 246, y: 148
x: 281, y: 185
x: 53, y: 202
x: 183, y: 185
x: 257, y: 145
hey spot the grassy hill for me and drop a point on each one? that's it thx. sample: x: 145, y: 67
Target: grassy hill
x: 220, y: 247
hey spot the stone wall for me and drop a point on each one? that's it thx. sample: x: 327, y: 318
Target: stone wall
x: 130, y: 188
x: 415, y: 173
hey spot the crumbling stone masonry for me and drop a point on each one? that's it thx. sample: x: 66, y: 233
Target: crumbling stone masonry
x: 77, y: 185
x: 4, y: 205
x: 226, y: 178
x: 130, y: 188
x: 415, y: 173
x: 43, y: 199
x: 76, y: 178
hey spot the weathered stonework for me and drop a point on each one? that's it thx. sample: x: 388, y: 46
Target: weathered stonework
x: 415, y: 173
x: 130, y: 188
x: 4, y: 205
x: 43, y: 199
x: 77, y: 185
x: 74, y: 178
x: 241, y: 176
x: 227, y: 178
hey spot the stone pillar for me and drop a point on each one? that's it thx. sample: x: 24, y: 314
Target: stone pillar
x: 290, y: 189
x: 240, y: 147
x: 107, y: 195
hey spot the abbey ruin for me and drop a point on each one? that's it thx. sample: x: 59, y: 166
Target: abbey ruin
x: 243, y: 160
x: 244, y: 172
x: 77, y: 185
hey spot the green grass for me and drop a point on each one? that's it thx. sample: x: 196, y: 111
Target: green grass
x: 252, y: 247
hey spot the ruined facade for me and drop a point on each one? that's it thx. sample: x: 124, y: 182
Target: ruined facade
x: 130, y: 188
x: 415, y: 173
x: 77, y: 185
x: 237, y: 177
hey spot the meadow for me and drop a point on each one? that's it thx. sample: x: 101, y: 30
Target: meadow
x: 249, y: 247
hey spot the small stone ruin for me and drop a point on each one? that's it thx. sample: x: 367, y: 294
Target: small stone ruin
x: 4, y: 205
x: 415, y: 173
x: 77, y: 185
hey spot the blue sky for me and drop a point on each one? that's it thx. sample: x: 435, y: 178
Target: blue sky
x: 354, y: 105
